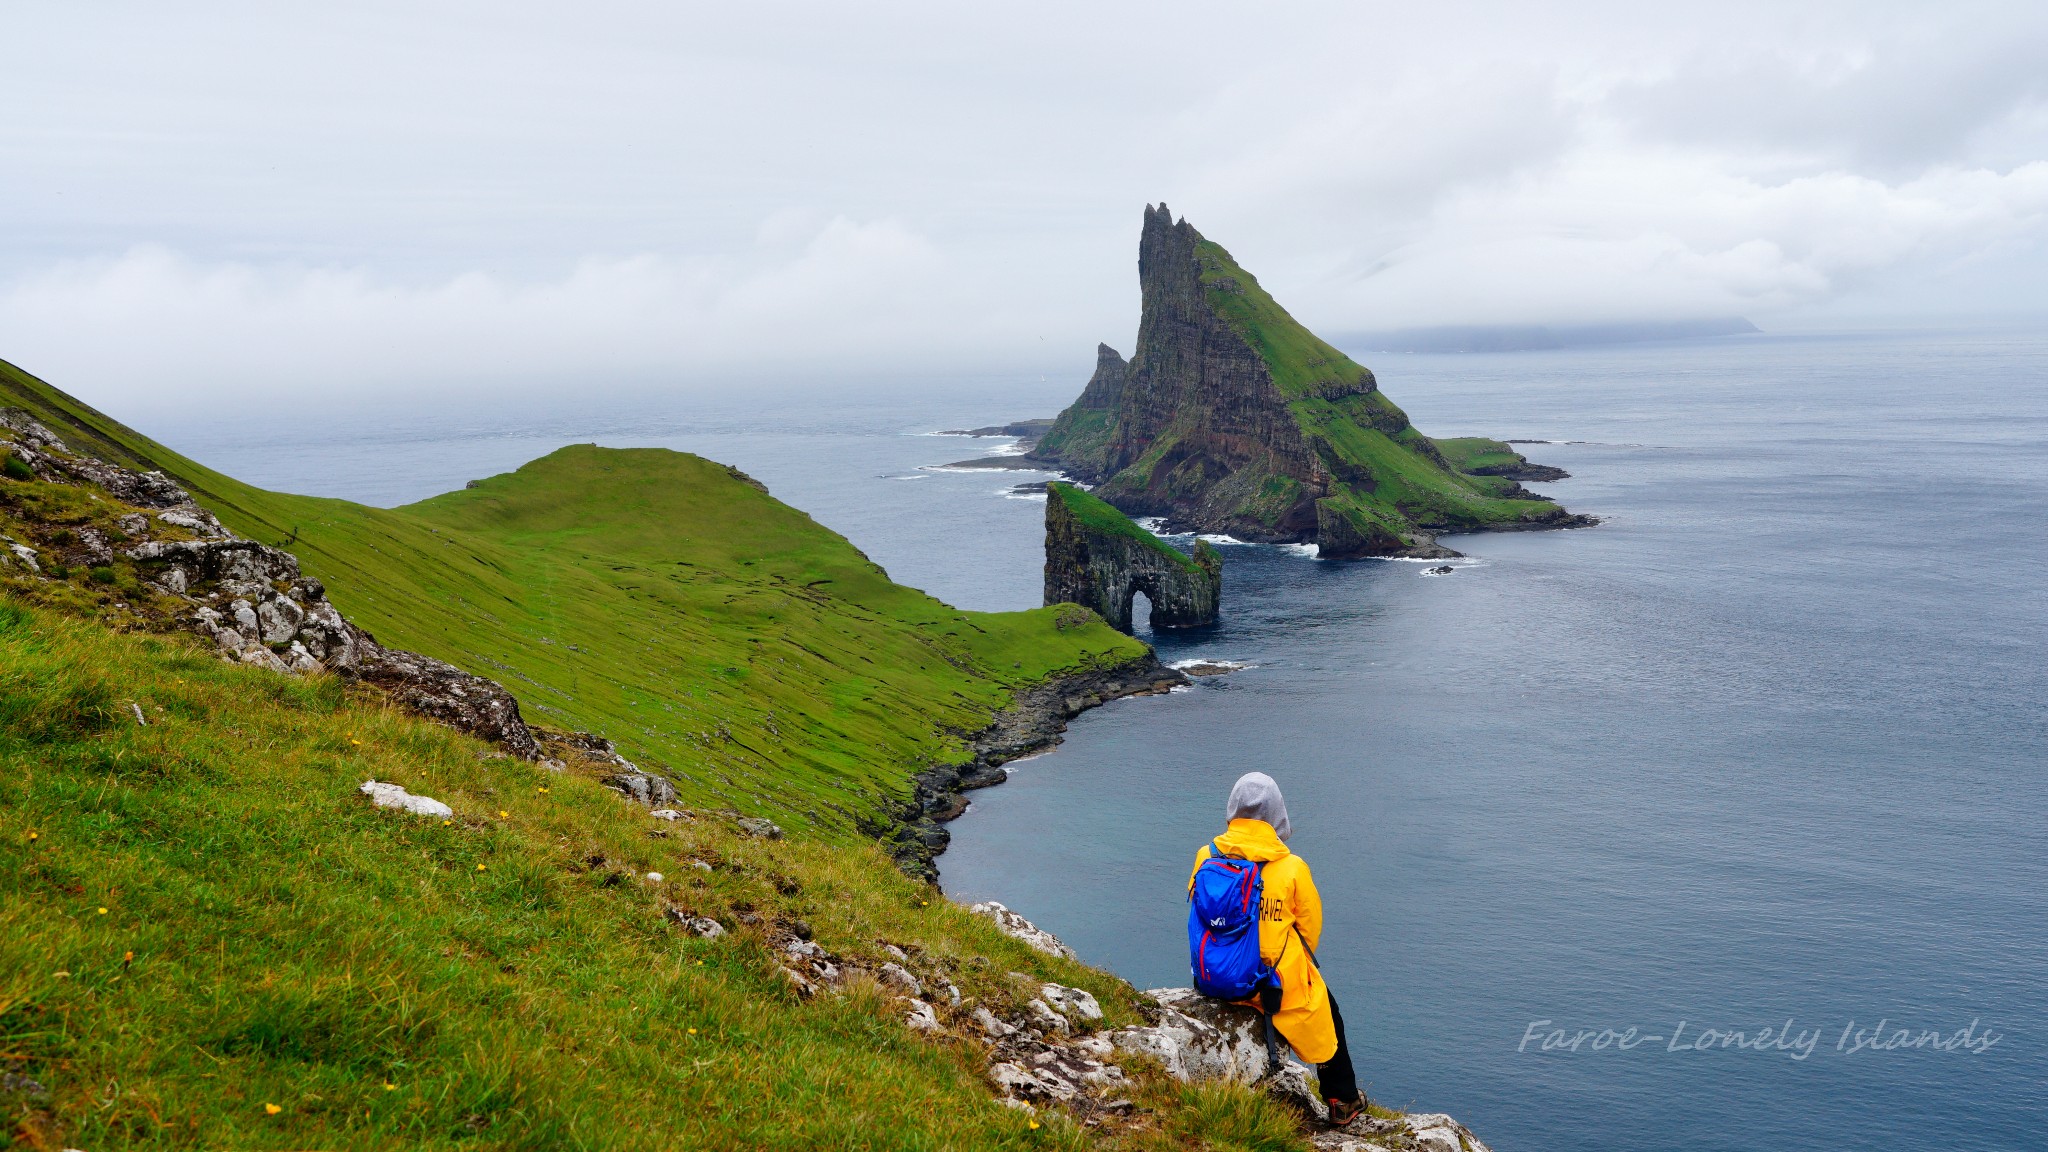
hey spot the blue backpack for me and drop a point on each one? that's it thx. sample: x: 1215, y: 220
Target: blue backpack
x: 1223, y: 927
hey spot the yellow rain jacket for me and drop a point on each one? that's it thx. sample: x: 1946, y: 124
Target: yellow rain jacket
x: 1289, y: 914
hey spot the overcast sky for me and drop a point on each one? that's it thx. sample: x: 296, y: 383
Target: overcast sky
x: 360, y: 198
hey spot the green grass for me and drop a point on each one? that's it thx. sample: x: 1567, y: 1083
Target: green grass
x: 719, y: 636
x: 1407, y: 478
x: 1466, y: 453
x: 1101, y: 518
x: 201, y: 921
x: 1079, y: 438
x: 1303, y: 365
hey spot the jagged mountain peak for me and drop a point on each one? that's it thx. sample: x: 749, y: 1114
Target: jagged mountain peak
x: 1231, y: 416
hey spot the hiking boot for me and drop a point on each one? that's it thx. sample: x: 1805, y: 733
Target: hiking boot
x: 1343, y: 1112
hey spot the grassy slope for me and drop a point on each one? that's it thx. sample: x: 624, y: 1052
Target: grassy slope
x: 1467, y: 453
x: 200, y: 921
x: 1301, y: 363
x: 1100, y: 517
x: 716, y: 634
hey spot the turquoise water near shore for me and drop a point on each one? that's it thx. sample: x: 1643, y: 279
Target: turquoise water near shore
x: 1766, y: 745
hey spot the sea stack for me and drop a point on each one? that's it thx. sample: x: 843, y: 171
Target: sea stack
x: 1230, y: 417
x: 1097, y: 558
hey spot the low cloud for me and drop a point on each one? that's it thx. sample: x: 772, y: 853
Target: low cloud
x: 405, y: 199
x: 153, y: 319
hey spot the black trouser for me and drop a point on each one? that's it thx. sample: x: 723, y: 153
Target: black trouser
x: 1335, y: 1076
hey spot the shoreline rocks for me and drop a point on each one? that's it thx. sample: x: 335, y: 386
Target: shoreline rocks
x: 914, y: 832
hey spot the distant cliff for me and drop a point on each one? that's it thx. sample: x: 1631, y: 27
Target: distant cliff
x: 1231, y: 417
x: 1097, y: 558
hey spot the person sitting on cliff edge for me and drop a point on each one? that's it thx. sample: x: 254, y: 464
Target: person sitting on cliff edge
x: 1290, y: 926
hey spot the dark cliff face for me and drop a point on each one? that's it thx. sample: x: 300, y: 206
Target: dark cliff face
x: 1095, y: 557
x: 1203, y: 424
x: 1105, y: 389
x: 1230, y: 417
x: 1079, y: 437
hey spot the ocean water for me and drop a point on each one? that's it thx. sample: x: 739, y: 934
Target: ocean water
x: 1767, y: 745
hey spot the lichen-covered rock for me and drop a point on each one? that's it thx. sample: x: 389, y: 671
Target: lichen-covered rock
x: 897, y: 975
x: 1424, y: 1132
x: 760, y: 827
x: 1199, y: 1039
x: 1097, y: 558
x: 252, y: 600
x: 443, y: 692
x: 1073, y: 1003
x: 392, y: 796
x: 921, y: 1018
x: 280, y: 619
x: 643, y: 787
x: 1011, y: 924
x: 703, y: 926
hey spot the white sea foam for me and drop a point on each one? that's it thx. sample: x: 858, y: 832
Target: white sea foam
x: 1009, y: 767
x: 985, y: 468
x: 1013, y: 494
x: 1212, y: 661
x: 1156, y: 525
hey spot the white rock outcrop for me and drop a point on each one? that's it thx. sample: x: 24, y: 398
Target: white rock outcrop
x: 1011, y: 924
x: 921, y: 1018
x: 1073, y: 1003
x: 1427, y: 1132
x: 392, y: 796
x: 1200, y: 1039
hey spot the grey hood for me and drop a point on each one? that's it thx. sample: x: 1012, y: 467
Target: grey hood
x: 1256, y: 797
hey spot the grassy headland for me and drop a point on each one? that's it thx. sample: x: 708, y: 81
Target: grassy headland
x: 719, y: 636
